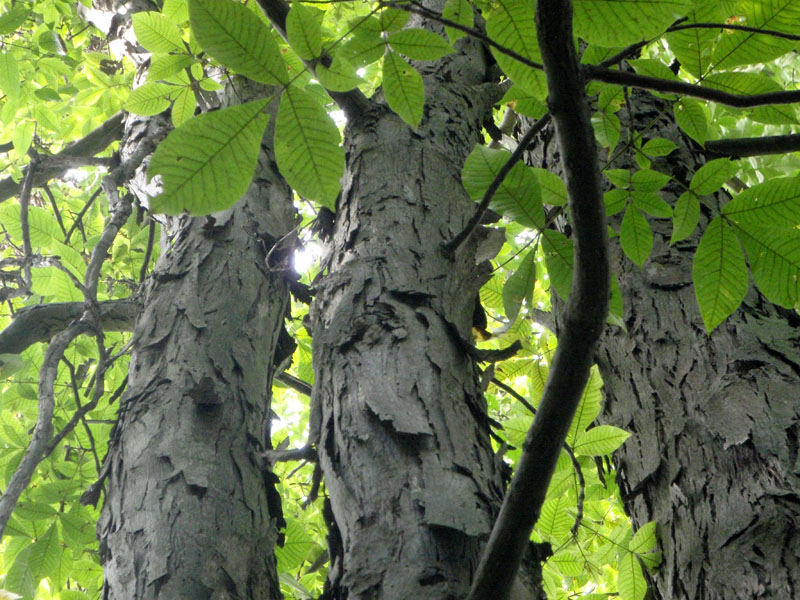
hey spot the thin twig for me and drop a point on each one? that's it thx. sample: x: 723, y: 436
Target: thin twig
x: 733, y: 27
x: 24, y: 202
x: 451, y: 246
x: 151, y: 235
x: 581, y: 490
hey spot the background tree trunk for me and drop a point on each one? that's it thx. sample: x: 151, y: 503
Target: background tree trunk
x: 714, y: 454
x: 403, y: 437
x: 191, y: 511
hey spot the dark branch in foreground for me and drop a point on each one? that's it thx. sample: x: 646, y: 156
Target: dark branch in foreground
x: 584, y: 316
x: 689, y: 89
x: 743, y: 147
x: 353, y: 103
x: 81, y: 151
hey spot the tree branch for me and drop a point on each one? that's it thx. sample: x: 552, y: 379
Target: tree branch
x: 584, y: 316
x: 41, y: 322
x: 733, y: 27
x: 743, y: 147
x: 353, y: 103
x: 515, y: 157
x: 58, y: 164
x: 655, y: 84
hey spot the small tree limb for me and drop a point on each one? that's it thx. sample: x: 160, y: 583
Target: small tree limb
x: 744, y: 147
x: 77, y: 153
x: 585, y: 313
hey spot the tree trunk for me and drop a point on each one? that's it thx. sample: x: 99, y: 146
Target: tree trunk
x: 191, y: 512
x: 403, y: 437
x: 714, y: 454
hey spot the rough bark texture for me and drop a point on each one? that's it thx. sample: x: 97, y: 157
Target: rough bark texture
x: 714, y: 454
x: 403, y: 438
x: 190, y: 511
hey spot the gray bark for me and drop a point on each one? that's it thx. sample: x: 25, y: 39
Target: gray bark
x: 403, y: 439
x: 714, y: 454
x: 191, y: 512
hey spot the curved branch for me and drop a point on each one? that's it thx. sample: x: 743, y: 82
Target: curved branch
x: 771, y: 32
x: 80, y: 151
x: 584, y: 316
x: 656, y: 84
x: 41, y: 322
x: 515, y: 157
x: 743, y: 147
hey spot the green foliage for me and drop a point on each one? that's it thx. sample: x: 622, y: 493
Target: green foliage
x: 208, y: 163
x: 59, y: 80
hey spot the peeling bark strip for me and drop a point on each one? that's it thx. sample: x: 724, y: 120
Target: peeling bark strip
x: 403, y: 439
x: 190, y: 511
x: 713, y: 458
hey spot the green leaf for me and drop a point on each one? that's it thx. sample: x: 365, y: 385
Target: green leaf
x: 652, y: 204
x: 691, y: 119
x: 719, y: 273
x: 636, y: 236
x: 686, y: 215
x: 307, y: 147
x: 403, y: 88
x: 606, y: 129
x: 461, y: 12
x: 774, y: 258
x: 518, y: 196
x: 14, y: 18
x: 615, y: 200
x: 183, y: 106
x: 177, y: 10
x: 9, y: 75
x: 614, y: 23
x: 23, y: 136
x: 303, y: 28
x: 297, y: 547
x: 524, y: 103
x: 520, y: 286
x: 419, y: 44
x: 45, y: 554
x: 659, y: 147
x: 600, y: 440
x: 710, y: 177
x: 693, y: 47
x: 588, y: 408
x: 644, y: 540
x: 568, y: 563
x: 149, y: 99
x: 630, y: 579
x: 340, y: 76
x: 163, y: 66
x: 19, y: 577
x: 736, y: 48
x: 647, y: 180
x: 208, y: 162
x: 393, y: 19
x: 42, y: 226
x: 557, y: 250
x: 234, y: 35
x: 365, y: 47
x: 512, y: 26
x: 554, y: 522
x: 157, y: 33
x: 774, y: 203
x: 553, y: 189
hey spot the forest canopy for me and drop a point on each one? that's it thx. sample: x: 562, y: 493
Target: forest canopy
x: 84, y: 219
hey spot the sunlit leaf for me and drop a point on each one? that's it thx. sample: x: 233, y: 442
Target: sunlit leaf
x: 307, y: 147
x: 207, y: 163
x: 304, y: 31
x: 234, y: 35
x: 419, y: 44
x: 157, y: 33
x: 630, y: 579
x: 686, y: 215
x: 520, y: 285
x: 616, y: 23
x: 603, y: 439
x: 404, y: 89
x: 719, y: 273
x: 636, y: 236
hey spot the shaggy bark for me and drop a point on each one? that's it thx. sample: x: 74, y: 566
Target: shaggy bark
x: 190, y: 511
x: 714, y: 454
x: 403, y: 436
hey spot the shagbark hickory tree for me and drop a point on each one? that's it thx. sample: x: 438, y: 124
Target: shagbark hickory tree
x: 285, y: 285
